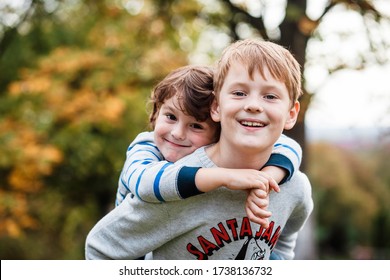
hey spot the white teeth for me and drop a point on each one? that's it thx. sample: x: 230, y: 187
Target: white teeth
x: 254, y: 124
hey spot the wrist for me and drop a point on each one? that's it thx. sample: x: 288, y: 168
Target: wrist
x: 208, y: 179
x: 276, y: 173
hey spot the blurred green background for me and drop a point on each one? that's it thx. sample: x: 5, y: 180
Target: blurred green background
x: 74, y: 81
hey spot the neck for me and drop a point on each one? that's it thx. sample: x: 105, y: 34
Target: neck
x: 227, y: 157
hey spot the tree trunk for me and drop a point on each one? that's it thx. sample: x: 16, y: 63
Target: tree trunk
x: 295, y: 40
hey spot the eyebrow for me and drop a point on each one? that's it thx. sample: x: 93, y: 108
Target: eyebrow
x: 265, y: 85
x: 237, y: 84
x: 274, y: 87
x: 172, y: 108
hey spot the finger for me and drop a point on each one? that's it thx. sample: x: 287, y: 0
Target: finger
x: 257, y: 194
x: 261, y: 221
x: 258, y: 207
x: 263, y: 184
x: 260, y: 212
x: 258, y: 203
x: 274, y: 186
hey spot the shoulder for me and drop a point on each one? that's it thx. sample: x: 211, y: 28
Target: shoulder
x: 198, y: 158
x: 144, y: 142
x: 146, y: 136
x: 300, y: 178
x: 299, y: 185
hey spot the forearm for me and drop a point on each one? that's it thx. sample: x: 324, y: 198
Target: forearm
x: 208, y: 179
x: 277, y: 173
x: 147, y: 176
x: 142, y: 153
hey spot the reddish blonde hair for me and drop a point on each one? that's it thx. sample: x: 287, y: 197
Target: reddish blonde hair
x: 259, y: 55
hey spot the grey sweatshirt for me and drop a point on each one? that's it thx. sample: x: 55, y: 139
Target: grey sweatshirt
x: 212, y: 225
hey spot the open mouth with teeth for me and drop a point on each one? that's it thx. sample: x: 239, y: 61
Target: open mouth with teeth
x: 252, y: 124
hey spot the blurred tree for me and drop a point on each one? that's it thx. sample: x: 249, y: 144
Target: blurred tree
x: 29, y: 29
x: 352, y: 200
x: 65, y: 123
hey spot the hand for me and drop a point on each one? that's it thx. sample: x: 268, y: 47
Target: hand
x: 256, y: 207
x: 242, y: 179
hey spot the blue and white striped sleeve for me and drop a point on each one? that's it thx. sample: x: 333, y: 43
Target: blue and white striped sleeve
x: 147, y: 176
x: 286, y: 154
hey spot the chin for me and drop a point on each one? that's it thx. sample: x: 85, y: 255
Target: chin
x: 253, y: 148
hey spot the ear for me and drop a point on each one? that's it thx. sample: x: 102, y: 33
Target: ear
x: 293, y: 116
x: 214, y: 111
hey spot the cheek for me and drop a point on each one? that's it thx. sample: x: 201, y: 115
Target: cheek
x: 160, y: 133
x: 229, y: 110
x: 157, y: 132
x: 157, y: 137
x: 278, y: 113
x: 161, y: 126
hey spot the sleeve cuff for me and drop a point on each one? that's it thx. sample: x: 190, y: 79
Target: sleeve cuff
x: 186, y: 182
x: 281, y: 161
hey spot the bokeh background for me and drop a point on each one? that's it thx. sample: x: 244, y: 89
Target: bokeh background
x: 75, y: 77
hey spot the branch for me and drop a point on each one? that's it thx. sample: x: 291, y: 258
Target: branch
x: 363, y: 8
x: 255, y: 22
x: 327, y: 9
x: 10, y: 33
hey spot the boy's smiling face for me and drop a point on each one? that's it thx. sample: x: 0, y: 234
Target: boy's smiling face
x: 177, y: 134
x: 253, y: 111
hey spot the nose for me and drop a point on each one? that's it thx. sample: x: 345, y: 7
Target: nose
x: 253, y: 105
x: 178, y: 132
